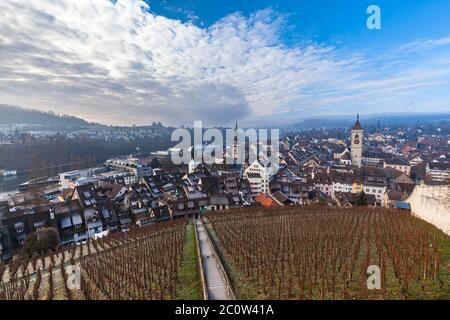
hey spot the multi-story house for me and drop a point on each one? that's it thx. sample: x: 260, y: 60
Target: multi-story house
x: 323, y: 183
x: 375, y: 188
x: 398, y: 164
x: 258, y: 176
x: 342, y: 182
x: 438, y: 171
x: 157, y: 214
x: 70, y: 222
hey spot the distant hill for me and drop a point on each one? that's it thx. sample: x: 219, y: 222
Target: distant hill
x: 382, y: 120
x: 18, y: 115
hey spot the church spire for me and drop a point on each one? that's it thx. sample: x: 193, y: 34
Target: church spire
x: 357, y: 125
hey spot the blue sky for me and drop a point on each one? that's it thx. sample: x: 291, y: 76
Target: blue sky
x: 259, y: 61
x: 327, y: 21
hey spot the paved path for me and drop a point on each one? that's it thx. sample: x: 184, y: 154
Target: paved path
x: 215, y: 280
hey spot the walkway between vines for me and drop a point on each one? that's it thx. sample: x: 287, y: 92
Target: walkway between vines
x: 215, y: 278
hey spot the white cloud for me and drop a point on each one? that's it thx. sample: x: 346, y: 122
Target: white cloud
x: 118, y: 63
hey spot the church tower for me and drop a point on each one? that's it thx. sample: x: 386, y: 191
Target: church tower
x: 236, y: 144
x: 357, y: 143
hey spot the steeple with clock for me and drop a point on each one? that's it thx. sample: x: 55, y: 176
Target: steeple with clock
x: 357, y: 143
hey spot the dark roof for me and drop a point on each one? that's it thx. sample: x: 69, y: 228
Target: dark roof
x: 210, y: 184
x: 439, y: 166
x: 357, y: 125
x: 280, y: 197
x: 396, y: 161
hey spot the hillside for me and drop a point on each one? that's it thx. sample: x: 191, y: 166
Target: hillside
x: 382, y: 120
x: 18, y: 115
x: 325, y: 253
x: 103, y: 267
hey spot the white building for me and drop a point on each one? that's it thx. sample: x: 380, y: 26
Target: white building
x: 438, y: 171
x: 377, y: 190
x: 258, y: 175
x: 71, y: 179
x: 342, y: 186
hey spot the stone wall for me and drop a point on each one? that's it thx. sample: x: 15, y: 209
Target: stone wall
x: 432, y: 204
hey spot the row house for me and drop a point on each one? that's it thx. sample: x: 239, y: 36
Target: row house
x: 100, y: 214
x: 377, y: 189
x: 17, y: 224
x: 224, y: 202
x: 296, y: 192
x: 154, y: 215
x: 342, y: 182
x: 187, y: 207
x: 322, y: 183
x: 398, y: 181
x: 348, y: 199
x: 438, y: 171
x: 70, y: 221
x: 398, y: 164
x: 230, y: 184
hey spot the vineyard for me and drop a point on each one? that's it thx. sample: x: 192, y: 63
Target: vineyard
x: 321, y: 253
x: 140, y: 264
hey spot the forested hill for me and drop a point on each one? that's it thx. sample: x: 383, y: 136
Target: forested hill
x: 17, y: 115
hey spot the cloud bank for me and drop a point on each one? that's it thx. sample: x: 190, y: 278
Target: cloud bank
x: 116, y: 62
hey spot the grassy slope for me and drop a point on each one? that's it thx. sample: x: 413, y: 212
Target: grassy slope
x: 189, y: 286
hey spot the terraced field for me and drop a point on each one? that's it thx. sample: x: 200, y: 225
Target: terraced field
x: 142, y: 264
x: 324, y: 253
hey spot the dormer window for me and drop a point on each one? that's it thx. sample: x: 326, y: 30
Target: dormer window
x: 40, y: 225
x: 19, y: 226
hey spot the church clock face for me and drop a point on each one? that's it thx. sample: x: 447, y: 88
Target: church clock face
x: 356, y: 141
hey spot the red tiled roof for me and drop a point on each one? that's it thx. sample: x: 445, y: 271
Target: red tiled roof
x: 266, y: 201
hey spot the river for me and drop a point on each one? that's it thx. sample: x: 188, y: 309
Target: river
x: 11, y: 183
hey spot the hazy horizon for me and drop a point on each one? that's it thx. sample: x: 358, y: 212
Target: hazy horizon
x: 369, y: 117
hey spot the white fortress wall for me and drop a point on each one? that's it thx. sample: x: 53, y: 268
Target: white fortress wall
x: 432, y: 204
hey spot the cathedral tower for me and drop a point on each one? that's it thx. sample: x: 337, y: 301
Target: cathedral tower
x: 357, y: 143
